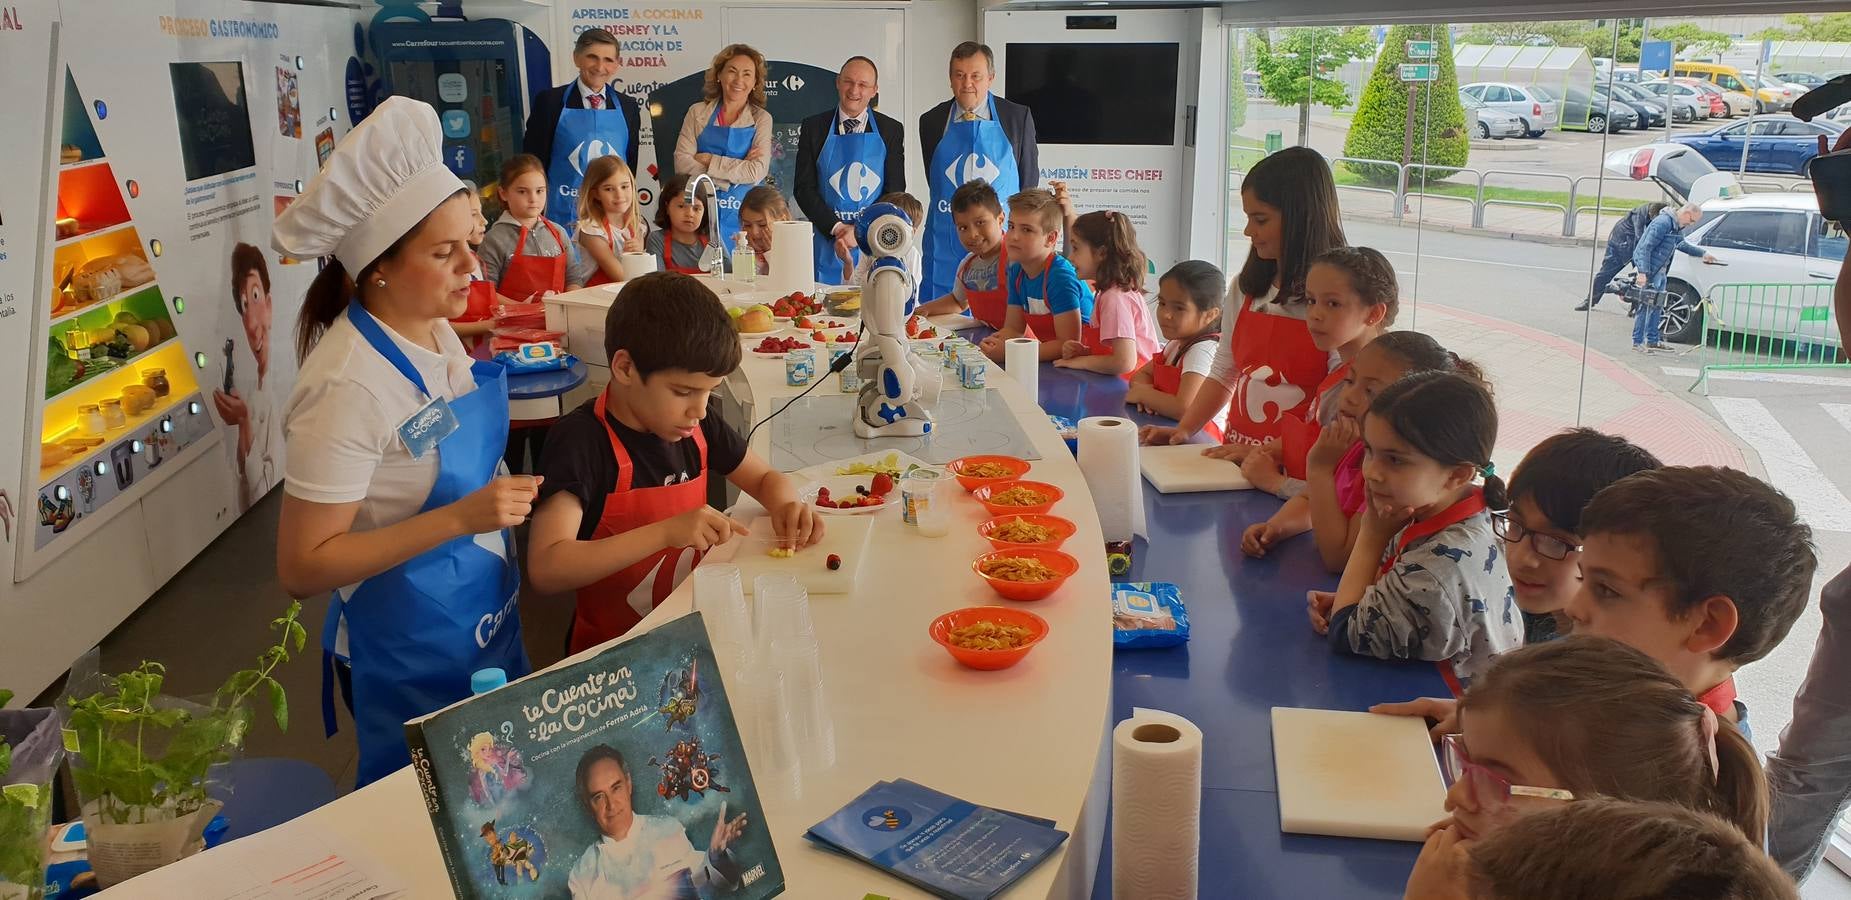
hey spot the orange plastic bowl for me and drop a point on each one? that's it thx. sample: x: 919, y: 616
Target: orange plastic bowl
x: 1062, y: 529
x: 988, y: 660
x: 998, y: 510
x: 1018, y: 467
x: 1063, y: 565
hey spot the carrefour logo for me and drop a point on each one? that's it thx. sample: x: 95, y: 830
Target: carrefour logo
x: 792, y: 82
x: 970, y: 167
x: 586, y: 151
x: 856, y: 182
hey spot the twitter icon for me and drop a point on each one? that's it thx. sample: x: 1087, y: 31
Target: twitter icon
x: 455, y: 123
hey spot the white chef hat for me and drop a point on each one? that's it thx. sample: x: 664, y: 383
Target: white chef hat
x: 383, y: 179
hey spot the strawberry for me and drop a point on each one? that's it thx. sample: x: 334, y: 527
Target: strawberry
x: 882, y: 485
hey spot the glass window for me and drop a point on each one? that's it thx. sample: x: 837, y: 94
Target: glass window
x: 1728, y: 82
x: 1827, y: 242
x: 1765, y: 231
x: 1474, y: 91
x: 1540, y: 93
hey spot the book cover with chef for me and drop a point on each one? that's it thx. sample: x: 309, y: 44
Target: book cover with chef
x: 622, y: 776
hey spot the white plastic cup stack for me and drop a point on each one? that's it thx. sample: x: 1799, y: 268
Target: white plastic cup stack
x: 776, y: 767
x: 783, y: 611
x: 799, y: 663
x: 720, y: 598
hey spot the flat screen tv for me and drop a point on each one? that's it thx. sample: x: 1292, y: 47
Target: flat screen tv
x: 1096, y: 93
x: 215, y: 118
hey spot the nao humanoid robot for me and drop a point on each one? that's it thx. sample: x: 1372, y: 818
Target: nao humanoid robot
x: 898, y: 388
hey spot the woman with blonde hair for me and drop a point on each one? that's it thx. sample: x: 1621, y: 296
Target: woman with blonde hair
x: 727, y: 135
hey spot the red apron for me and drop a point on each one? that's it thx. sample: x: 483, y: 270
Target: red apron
x: 668, y: 256
x: 1040, y: 326
x: 613, y: 606
x: 1276, y: 366
x: 1296, y: 435
x: 527, y: 277
x: 991, y: 307
x: 1169, y: 379
x: 481, y: 308
x: 610, y: 237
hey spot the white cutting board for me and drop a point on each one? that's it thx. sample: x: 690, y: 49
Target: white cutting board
x: 845, y: 536
x: 1182, y: 469
x: 1356, y: 774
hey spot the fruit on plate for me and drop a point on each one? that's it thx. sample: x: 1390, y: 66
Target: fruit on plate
x: 756, y: 320
x: 918, y: 329
x: 873, y: 494
x: 794, y: 304
x: 779, y: 345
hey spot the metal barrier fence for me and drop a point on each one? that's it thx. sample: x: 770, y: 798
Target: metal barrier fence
x: 1763, y: 327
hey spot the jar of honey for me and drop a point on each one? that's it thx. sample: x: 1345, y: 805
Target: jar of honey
x: 156, y: 379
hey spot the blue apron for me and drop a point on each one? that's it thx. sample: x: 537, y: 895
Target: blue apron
x: 581, y: 136
x: 417, y: 631
x: 850, y: 171
x: 720, y: 140
x: 968, y: 151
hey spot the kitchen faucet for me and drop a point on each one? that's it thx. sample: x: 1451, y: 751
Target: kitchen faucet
x: 713, y: 257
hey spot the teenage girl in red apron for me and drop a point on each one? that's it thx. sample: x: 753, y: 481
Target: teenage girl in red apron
x: 528, y: 277
x: 1277, y: 360
x: 613, y: 606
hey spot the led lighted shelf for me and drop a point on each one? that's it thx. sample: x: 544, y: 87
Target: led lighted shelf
x: 94, y: 233
x: 174, y: 404
x: 79, y: 310
x: 121, y: 365
x: 82, y: 164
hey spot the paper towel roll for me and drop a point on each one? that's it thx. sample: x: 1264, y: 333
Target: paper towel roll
x: 1156, y: 806
x: 1022, y: 360
x: 635, y: 264
x: 1108, y: 458
x: 790, y: 265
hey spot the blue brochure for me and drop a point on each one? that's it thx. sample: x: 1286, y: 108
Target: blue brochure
x: 948, y: 846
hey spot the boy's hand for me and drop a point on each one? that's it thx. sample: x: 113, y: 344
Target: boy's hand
x: 1072, y: 349
x: 703, y: 529
x: 1317, y: 605
x: 1230, y: 452
x: 1333, y: 442
x: 798, y: 522
x: 1161, y: 435
x: 1259, y: 538
x: 1445, y: 711
x: 992, y: 347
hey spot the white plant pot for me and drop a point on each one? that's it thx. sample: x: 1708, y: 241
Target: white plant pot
x: 154, y: 837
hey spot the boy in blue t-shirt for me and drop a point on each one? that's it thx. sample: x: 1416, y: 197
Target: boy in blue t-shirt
x: 1046, y: 295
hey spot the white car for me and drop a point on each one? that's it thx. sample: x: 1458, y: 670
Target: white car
x: 1489, y: 122
x: 1774, y: 240
x: 1539, y: 109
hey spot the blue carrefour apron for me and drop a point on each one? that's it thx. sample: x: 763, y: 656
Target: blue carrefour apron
x: 849, y: 169
x: 721, y: 140
x: 416, y: 631
x: 968, y: 151
x: 581, y: 136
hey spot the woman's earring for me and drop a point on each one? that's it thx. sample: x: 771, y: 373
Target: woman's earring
x: 379, y: 282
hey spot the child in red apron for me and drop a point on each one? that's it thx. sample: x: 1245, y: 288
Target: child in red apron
x: 1047, y: 299
x: 478, y: 318
x: 1334, y: 491
x: 610, y: 223
x: 623, y: 515
x: 980, y: 287
x: 1188, y: 313
x: 524, y: 254
x: 681, y: 230
x: 1103, y: 247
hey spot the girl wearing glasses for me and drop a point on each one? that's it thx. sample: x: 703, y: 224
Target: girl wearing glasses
x: 1587, y: 716
x: 1426, y: 579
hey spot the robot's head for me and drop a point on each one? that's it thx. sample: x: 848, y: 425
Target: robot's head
x: 883, y: 230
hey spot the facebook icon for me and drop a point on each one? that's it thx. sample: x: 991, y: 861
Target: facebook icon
x: 461, y: 158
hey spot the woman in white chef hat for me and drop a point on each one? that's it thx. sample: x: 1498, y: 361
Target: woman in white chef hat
x: 395, y: 496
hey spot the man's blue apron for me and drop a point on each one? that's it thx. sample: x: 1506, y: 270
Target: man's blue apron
x: 581, y: 136
x: 850, y: 170
x: 721, y: 140
x: 968, y: 151
x: 417, y: 631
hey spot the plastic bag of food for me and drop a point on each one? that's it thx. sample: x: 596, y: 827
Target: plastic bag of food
x: 1148, y: 614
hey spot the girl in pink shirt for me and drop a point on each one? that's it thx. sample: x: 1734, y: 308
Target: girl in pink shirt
x: 1103, y: 247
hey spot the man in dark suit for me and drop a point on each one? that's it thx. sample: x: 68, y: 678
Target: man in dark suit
x: 840, y: 154
x: 572, y: 124
x: 973, y: 135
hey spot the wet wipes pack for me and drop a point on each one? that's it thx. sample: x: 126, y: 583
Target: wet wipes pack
x: 1148, y: 614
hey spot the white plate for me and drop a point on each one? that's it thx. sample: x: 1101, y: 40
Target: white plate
x: 828, y: 470
x: 844, y: 485
x: 774, y: 355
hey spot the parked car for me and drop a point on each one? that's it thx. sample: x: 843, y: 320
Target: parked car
x: 1651, y: 113
x: 1786, y: 92
x: 1489, y: 122
x: 1765, y: 239
x: 1779, y: 144
x: 1607, y: 115
x: 1808, y: 79
x: 1704, y: 104
x: 1678, y: 170
x: 1730, y: 79
x: 1683, y: 109
x: 1735, y: 103
x: 1627, y: 76
x: 1538, y: 108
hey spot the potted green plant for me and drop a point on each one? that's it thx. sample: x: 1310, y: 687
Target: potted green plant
x: 29, y: 758
x: 142, y: 760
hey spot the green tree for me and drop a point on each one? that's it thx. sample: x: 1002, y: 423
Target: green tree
x: 1379, y: 129
x: 1802, y: 27
x: 1298, y: 67
x: 1237, y: 89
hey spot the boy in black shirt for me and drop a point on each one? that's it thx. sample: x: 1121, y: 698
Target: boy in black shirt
x: 623, y: 513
